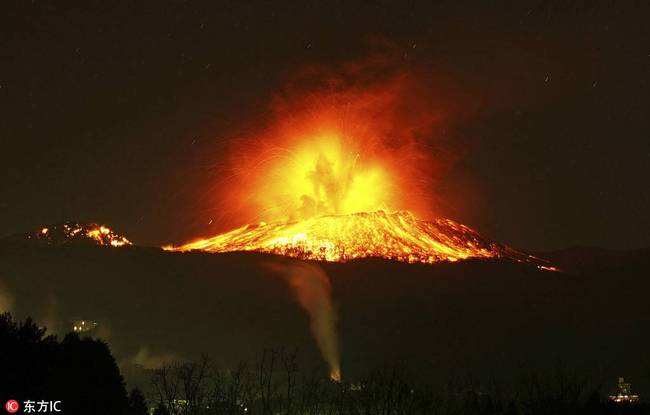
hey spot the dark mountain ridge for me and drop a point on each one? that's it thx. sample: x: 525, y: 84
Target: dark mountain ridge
x: 481, y: 317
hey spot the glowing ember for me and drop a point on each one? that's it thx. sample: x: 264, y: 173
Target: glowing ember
x: 339, y: 238
x: 75, y: 232
x: 335, y: 376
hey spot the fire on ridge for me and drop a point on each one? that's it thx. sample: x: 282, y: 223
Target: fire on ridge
x: 339, y: 238
x: 79, y: 233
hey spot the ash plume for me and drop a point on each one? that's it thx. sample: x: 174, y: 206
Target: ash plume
x: 313, y: 291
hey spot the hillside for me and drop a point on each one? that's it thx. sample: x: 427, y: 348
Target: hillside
x: 449, y: 319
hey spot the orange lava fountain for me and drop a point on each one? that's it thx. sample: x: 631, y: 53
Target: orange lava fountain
x: 343, y: 173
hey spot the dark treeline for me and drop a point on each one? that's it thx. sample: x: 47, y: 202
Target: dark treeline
x: 79, y: 372
x: 83, y: 375
x: 274, y: 384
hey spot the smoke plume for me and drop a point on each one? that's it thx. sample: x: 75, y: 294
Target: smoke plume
x: 313, y: 291
x: 145, y: 358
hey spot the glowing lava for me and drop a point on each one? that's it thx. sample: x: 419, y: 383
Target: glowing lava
x: 323, y: 174
x: 344, y: 147
x: 338, y: 238
x: 344, y: 170
x: 76, y: 232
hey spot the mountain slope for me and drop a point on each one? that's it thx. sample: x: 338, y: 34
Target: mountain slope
x: 339, y: 238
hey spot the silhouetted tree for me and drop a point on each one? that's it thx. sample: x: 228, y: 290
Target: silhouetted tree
x: 27, y: 359
x: 137, y: 403
x: 267, y: 388
x: 93, y: 380
x: 161, y: 409
x: 81, y: 373
x: 184, y: 388
x: 276, y: 385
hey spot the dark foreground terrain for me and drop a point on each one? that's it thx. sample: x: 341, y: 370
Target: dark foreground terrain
x: 485, y: 320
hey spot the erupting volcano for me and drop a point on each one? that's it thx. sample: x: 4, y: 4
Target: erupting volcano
x: 348, y: 171
x: 342, y: 173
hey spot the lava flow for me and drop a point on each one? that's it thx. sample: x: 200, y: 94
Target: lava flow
x: 345, y: 172
x: 339, y: 238
x: 79, y: 233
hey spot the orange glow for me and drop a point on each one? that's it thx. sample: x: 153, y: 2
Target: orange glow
x: 67, y: 232
x: 323, y: 176
x: 342, y: 148
x: 347, y: 169
x: 335, y: 376
x: 100, y: 234
x: 548, y: 268
x: 397, y: 236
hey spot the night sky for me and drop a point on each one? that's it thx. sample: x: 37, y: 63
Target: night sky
x: 122, y: 114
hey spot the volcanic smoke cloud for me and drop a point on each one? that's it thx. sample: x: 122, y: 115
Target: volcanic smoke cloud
x: 313, y: 290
